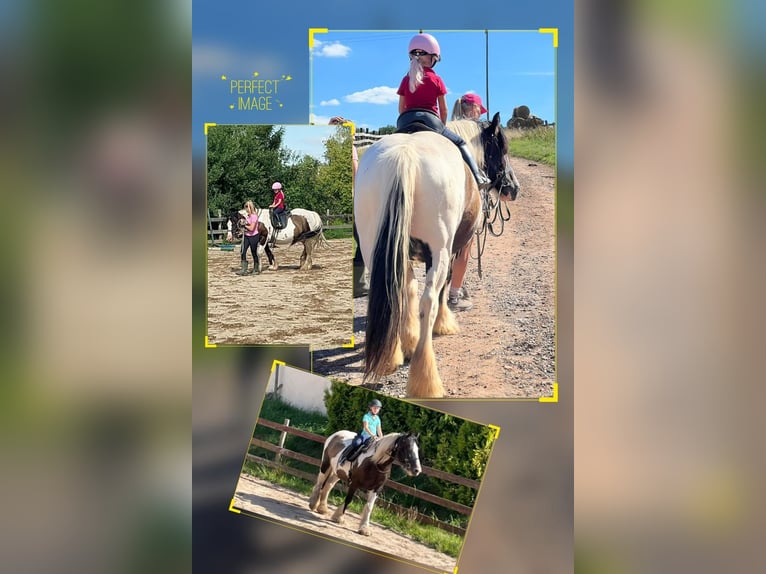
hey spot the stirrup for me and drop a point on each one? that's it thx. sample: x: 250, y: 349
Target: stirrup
x: 483, y: 182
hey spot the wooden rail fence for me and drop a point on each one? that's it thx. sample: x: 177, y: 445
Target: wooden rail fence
x: 280, y: 452
x: 216, y: 227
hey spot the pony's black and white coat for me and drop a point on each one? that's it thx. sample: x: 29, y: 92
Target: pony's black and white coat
x: 368, y: 472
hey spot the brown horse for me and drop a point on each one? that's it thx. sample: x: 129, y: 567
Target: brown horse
x: 368, y: 472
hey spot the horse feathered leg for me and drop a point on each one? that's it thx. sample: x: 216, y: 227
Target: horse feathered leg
x: 314, y: 498
x: 325, y: 492
x: 411, y: 323
x: 308, y: 247
x: 341, y: 510
x: 364, y: 525
x: 424, y: 380
x: 445, y: 323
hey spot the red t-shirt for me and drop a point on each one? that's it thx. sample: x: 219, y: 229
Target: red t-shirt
x: 426, y: 95
x: 279, y: 199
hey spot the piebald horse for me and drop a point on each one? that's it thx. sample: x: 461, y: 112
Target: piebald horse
x: 303, y: 226
x: 368, y: 472
x: 415, y: 199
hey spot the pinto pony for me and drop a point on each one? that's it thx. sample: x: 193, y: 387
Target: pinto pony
x: 368, y: 472
x: 416, y: 199
x: 303, y: 226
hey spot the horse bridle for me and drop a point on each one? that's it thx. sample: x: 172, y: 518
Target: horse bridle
x: 503, y: 177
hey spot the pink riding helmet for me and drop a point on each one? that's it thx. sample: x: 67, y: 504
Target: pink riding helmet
x: 276, y: 185
x: 427, y: 43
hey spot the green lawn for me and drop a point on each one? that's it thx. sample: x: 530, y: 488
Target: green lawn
x: 537, y: 144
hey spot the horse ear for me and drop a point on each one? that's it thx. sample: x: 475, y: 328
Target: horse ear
x: 495, y: 122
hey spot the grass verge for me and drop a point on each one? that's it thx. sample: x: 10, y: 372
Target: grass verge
x: 537, y: 144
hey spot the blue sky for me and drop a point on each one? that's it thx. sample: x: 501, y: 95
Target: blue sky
x: 307, y: 140
x: 237, y: 38
x: 356, y: 74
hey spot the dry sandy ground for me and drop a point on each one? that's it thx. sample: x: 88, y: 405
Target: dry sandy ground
x: 285, y: 506
x: 506, y: 348
x: 286, y: 306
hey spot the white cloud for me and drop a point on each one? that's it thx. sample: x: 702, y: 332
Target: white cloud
x: 377, y: 95
x: 319, y: 120
x: 332, y: 102
x: 334, y: 50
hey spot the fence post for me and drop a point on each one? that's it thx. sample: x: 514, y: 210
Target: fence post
x: 282, y: 437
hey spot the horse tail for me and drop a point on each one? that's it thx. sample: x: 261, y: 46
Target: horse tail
x: 390, y: 257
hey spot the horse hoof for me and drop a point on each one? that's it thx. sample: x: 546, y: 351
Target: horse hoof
x: 365, y: 531
x: 321, y: 510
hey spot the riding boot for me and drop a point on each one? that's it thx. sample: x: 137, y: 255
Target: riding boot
x: 479, y: 176
x: 243, y: 271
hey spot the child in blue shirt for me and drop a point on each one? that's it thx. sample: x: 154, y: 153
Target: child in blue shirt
x: 371, y: 429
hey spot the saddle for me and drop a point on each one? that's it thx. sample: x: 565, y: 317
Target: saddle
x: 279, y: 220
x: 413, y: 121
x: 351, y: 453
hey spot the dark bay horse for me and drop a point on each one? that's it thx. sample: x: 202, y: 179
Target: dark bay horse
x: 368, y: 472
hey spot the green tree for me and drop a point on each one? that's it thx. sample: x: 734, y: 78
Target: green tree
x: 335, y: 177
x: 242, y: 162
x: 385, y: 130
x: 300, y: 183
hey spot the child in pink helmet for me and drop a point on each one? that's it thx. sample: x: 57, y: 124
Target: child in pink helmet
x: 422, y: 97
x: 277, y: 206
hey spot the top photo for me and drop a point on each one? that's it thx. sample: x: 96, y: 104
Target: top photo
x: 454, y: 209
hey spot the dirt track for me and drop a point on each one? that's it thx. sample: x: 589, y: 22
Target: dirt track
x: 275, y: 503
x: 286, y: 306
x: 506, y: 348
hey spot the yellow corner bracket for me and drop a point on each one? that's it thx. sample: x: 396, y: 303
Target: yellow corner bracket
x: 208, y: 344
x: 554, y: 398
x: 313, y: 31
x: 275, y: 363
x: 496, y: 429
x: 209, y: 125
x: 232, y: 509
x: 349, y: 345
x: 554, y: 31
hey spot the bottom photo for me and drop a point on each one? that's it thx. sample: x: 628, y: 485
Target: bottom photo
x: 363, y: 469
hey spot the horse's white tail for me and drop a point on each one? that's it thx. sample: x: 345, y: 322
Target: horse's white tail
x: 390, y: 258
